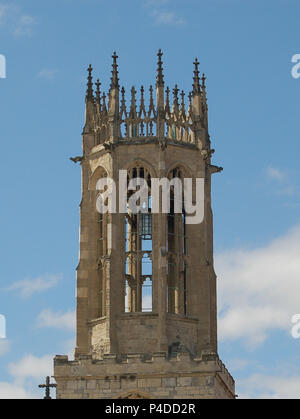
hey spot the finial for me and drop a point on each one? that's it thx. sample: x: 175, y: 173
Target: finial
x: 160, y: 76
x: 196, y: 85
x: 114, y: 78
x: 98, y: 84
x: 89, y: 91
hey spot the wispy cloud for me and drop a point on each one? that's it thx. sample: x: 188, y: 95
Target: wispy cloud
x: 270, y: 386
x: 3, y: 13
x: 28, y: 287
x: 259, y: 289
x: 281, y: 180
x: 275, y: 174
x: 58, y: 320
x: 24, y: 25
x: 47, y: 74
x: 4, y: 346
x: 166, y: 18
x: 17, y: 22
x: 162, y: 14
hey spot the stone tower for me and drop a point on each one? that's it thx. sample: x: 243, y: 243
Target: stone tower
x: 146, y: 286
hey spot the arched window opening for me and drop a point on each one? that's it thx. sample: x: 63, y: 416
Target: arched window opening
x: 100, y: 234
x: 176, y: 247
x: 138, y: 247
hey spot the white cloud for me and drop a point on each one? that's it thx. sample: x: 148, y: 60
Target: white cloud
x: 259, y: 289
x: 13, y: 391
x: 28, y: 287
x: 4, y: 346
x: 47, y: 74
x: 58, y: 320
x: 26, y: 374
x: 270, y: 387
x: 31, y: 366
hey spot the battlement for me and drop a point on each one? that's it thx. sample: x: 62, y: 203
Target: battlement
x: 157, y: 375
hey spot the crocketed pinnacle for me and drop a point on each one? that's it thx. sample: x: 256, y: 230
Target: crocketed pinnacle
x: 196, y: 85
x: 98, y: 94
x: 89, y: 90
x: 160, y: 76
x: 203, y: 85
x: 114, y: 78
x: 175, y: 95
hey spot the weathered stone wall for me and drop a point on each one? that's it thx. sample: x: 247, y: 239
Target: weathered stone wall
x: 138, y: 376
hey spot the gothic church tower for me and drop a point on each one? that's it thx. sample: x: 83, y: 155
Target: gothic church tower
x: 146, y: 286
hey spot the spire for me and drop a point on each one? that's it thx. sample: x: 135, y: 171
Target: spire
x: 196, y: 85
x: 114, y: 78
x: 160, y: 76
x: 89, y: 90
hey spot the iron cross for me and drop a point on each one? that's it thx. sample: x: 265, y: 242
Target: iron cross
x: 47, y: 387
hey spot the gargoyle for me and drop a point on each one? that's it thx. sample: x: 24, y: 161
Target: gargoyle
x: 76, y: 159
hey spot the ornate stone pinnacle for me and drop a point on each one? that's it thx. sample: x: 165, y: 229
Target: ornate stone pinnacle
x: 175, y: 94
x: 114, y: 78
x: 203, y: 78
x: 104, y: 103
x: 98, y: 84
x: 167, y: 105
x: 182, y: 94
x: 133, y: 102
x: 89, y: 91
x: 196, y: 85
x: 160, y: 76
x: 123, y: 93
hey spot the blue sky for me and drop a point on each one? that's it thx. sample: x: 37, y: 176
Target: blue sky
x: 245, y: 49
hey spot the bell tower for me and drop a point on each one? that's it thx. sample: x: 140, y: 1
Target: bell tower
x: 146, y: 286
